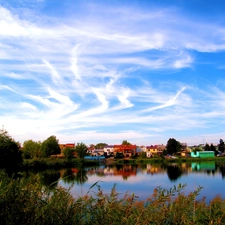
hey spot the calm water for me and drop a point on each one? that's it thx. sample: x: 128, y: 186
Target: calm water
x: 141, y: 180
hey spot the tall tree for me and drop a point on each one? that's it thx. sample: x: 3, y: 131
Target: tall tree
x: 173, y: 146
x: 212, y: 147
x: 207, y: 147
x: 68, y: 152
x: 221, y: 146
x: 81, y: 150
x: 100, y: 145
x: 50, y: 147
x: 10, y: 154
x: 31, y: 149
x: 125, y: 142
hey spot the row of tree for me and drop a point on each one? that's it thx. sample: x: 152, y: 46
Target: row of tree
x: 50, y: 146
x: 12, y: 155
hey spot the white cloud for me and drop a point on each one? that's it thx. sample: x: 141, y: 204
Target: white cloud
x: 115, y: 77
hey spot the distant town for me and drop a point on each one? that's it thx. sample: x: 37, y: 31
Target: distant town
x: 173, y: 149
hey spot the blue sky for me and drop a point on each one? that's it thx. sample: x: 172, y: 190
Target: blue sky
x: 108, y: 71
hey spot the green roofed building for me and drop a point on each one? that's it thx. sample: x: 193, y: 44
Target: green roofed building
x: 203, y: 154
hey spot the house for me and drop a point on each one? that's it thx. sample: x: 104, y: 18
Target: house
x: 95, y: 152
x: 154, y: 150
x: 140, y: 149
x: 151, y: 150
x: 99, y: 152
x: 67, y: 145
x: 202, y: 154
x: 126, y: 150
x: 91, y: 150
x: 108, y: 150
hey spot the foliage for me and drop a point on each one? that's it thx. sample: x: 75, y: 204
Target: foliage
x: 221, y: 146
x: 25, y: 202
x: 125, y: 142
x: 31, y: 149
x: 68, y: 152
x: 100, y: 145
x: 49, y: 163
x: 50, y: 147
x: 197, y: 149
x: 81, y: 150
x: 10, y: 154
x: 143, y: 155
x: 173, y: 146
x: 213, y: 148
x: 207, y: 147
x: 119, y: 155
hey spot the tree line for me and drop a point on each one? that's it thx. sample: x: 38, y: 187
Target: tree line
x: 11, y: 154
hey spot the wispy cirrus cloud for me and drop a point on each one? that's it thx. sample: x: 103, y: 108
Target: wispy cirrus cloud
x: 118, y: 73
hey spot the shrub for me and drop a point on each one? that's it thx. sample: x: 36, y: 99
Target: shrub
x: 69, y: 152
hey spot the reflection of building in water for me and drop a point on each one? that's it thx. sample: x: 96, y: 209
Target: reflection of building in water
x: 153, y: 169
x: 125, y: 171
x: 203, y: 165
x: 109, y: 171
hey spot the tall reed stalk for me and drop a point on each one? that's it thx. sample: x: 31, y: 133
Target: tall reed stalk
x: 25, y: 201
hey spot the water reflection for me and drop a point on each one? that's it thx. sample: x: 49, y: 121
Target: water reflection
x: 141, y: 179
x: 174, y: 172
x: 50, y: 178
x: 222, y: 170
x: 75, y: 175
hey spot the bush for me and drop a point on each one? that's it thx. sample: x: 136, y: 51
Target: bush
x: 10, y: 154
x: 69, y: 152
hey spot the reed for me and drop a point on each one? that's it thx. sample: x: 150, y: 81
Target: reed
x: 25, y: 201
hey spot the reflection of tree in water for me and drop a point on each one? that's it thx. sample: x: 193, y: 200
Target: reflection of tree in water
x: 174, y: 172
x: 119, y: 167
x: 143, y: 166
x: 81, y: 176
x: 75, y: 175
x: 68, y: 176
x: 210, y: 172
x: 222, y: 170
x: 49, y: 178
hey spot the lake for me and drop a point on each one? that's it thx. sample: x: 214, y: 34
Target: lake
x: 142, y: 179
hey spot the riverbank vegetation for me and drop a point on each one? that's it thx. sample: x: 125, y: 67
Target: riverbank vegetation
x: 55, y: 163
x: 25, y: 201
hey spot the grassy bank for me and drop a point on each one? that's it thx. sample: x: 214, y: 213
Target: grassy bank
x: 156, y: 160
x: 25, y: 201
x: 55, y: 163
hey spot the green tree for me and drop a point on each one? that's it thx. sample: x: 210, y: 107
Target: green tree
x: 207, y: 147
x: 125, y: 142
x: 81, y: 150
x: 31, y: 149
x: 68, y: 152
x: 100, y: 145
x: 173, y: 146
x: 50, y: 147
x: 10, y: 154
x: 221, y: 146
